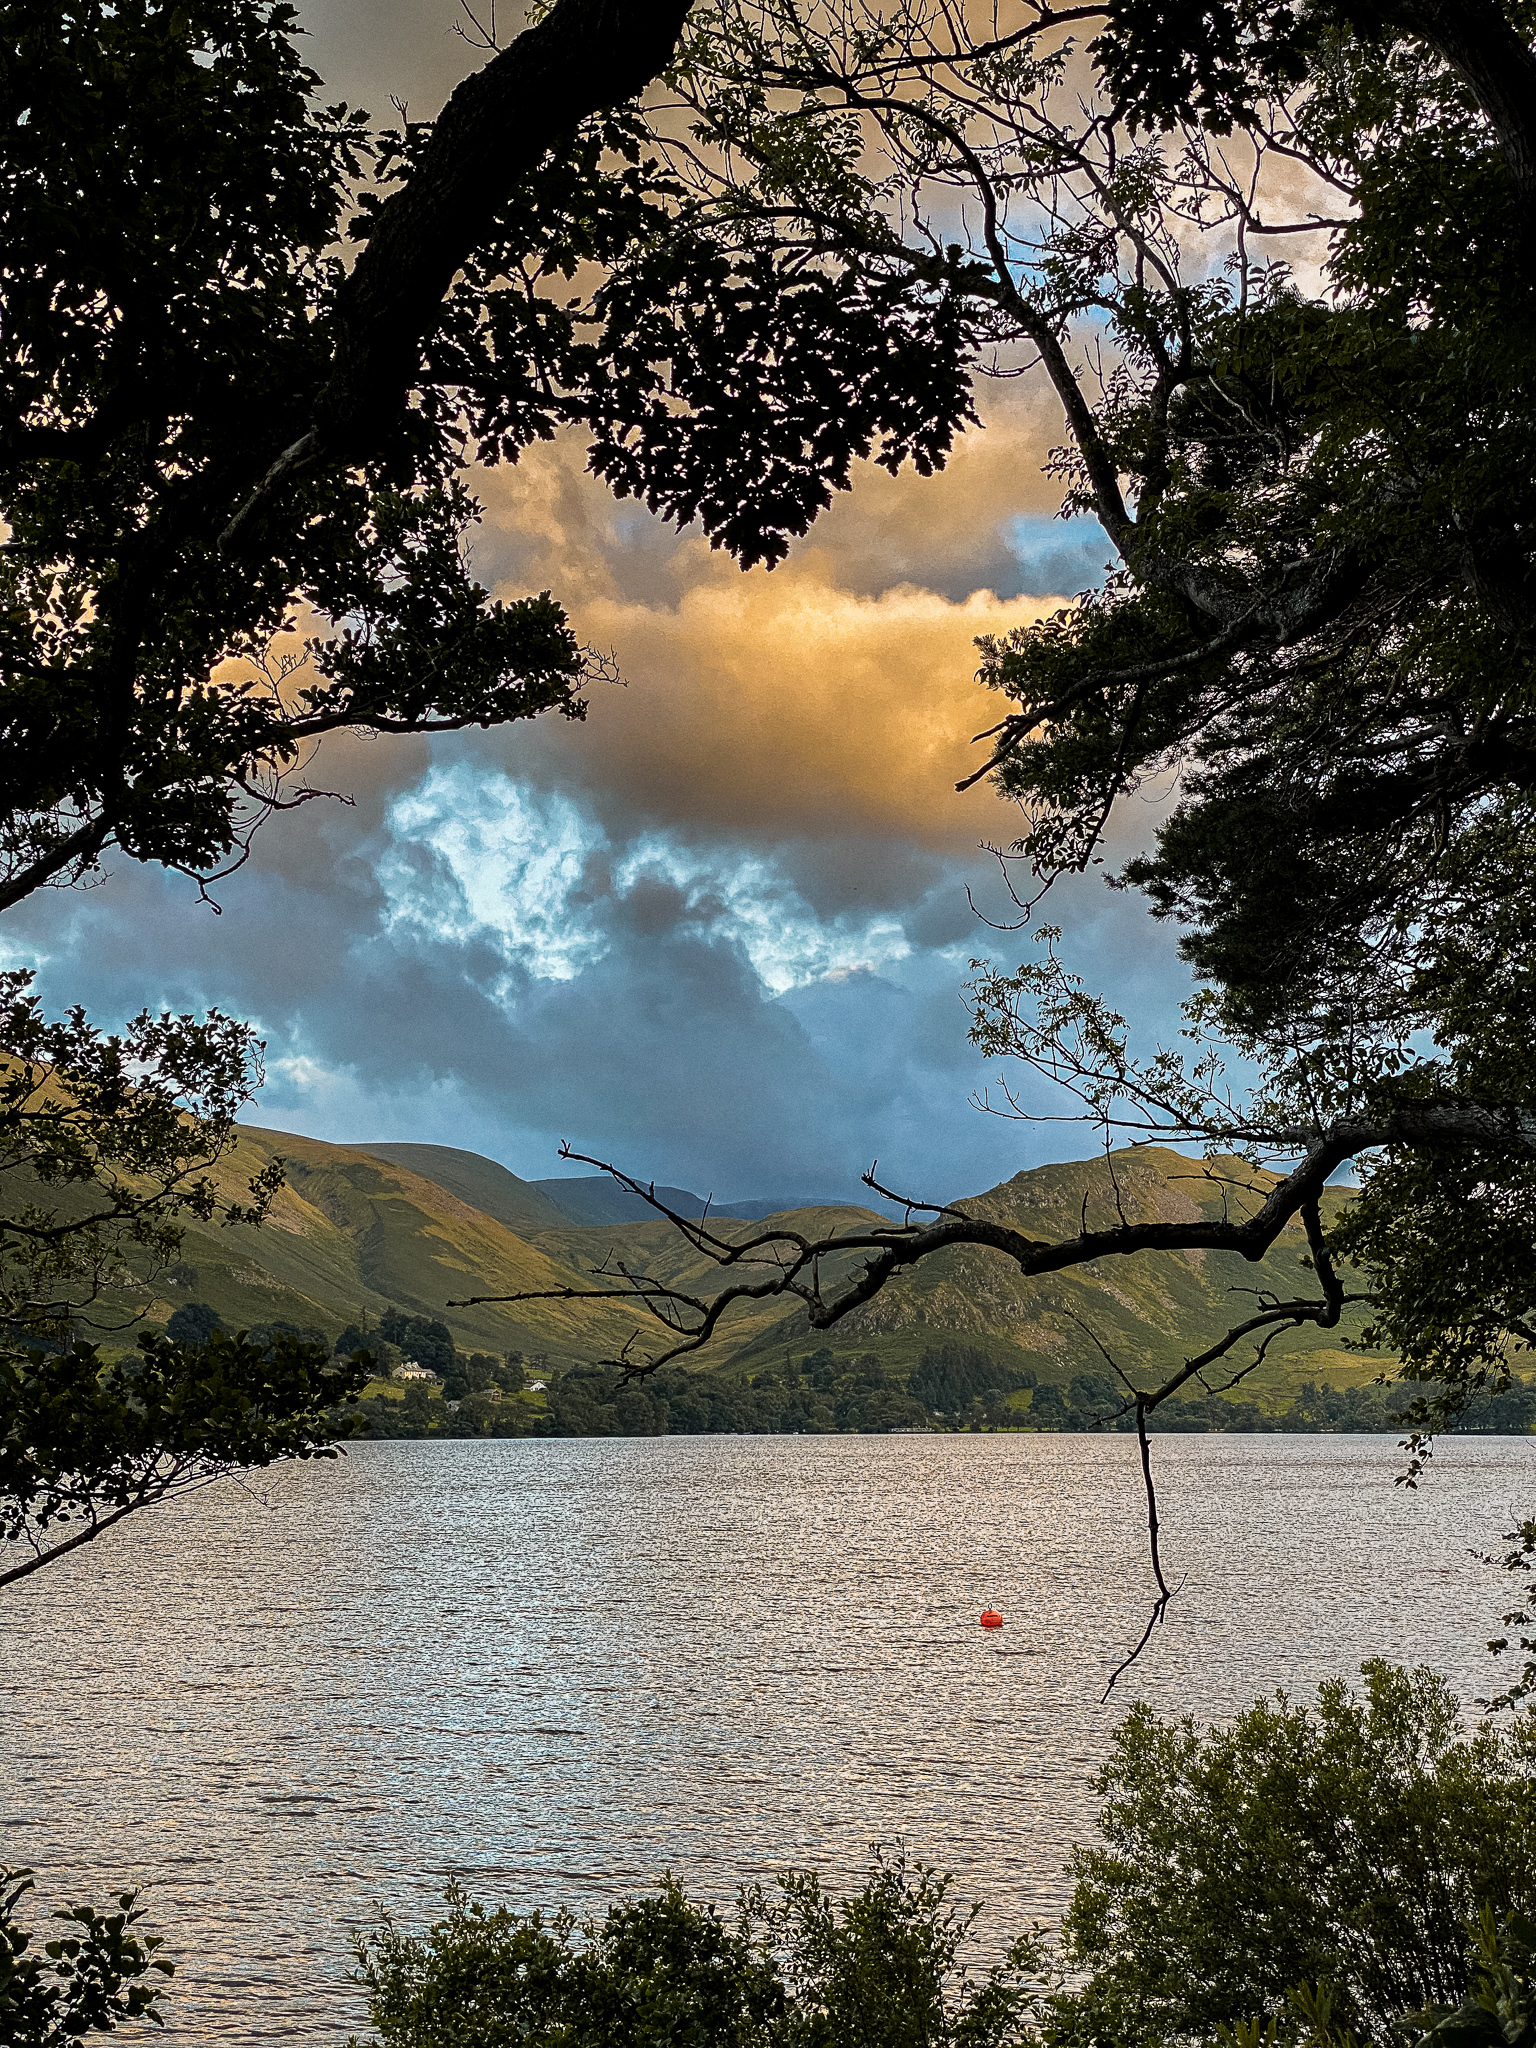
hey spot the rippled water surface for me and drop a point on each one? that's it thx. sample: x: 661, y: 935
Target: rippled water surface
x: 554, y: 1669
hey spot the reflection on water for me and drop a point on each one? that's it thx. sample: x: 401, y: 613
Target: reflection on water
x: 555, y: 1669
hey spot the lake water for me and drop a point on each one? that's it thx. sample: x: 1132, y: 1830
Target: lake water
x: 554, y: 1669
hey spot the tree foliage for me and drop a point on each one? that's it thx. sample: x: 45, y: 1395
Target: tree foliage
x: 196, y: 325
x: 90, y: 1978
x: 107, y: 1141
x: 85, y: 1441
x: 792, y: 1968
x: 1356, y: 1871
x: 1351, y: 1844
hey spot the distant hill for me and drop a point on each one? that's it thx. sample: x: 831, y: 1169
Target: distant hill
x: 354, y: 1233
x: 594, y: 1198
x: 520, y: 1204
x: 777, y: 1205
x: 361, y: 1229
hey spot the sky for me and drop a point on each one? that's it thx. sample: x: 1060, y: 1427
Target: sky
x: 719, y: 932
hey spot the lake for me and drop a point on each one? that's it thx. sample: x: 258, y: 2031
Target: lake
x: 555, y: 1669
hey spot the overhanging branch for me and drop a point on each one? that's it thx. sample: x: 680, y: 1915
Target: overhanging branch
x: 584, y: 56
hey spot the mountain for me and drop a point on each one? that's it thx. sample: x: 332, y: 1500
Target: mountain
x: 360, y: 1229
x: 594, y: 1198
x: 1150, y: 1311
x: 353, y: 1234
x: 521, y: 1204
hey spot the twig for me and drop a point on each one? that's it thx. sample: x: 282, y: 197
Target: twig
x: 1164, y: 1592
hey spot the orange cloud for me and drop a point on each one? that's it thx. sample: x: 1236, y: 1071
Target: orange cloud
x: 821, y: 698
x: 785, y: 704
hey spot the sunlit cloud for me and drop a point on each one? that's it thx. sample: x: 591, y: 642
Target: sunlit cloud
x: 503, y: 860
x: 751, y: 904
x: 835, y: 695
x: 481, y: 858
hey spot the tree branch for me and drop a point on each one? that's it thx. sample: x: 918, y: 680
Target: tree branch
x: 1164, y: 1593
x: 584, y: 55
x: 82, y: 845
x: 98, y: 1527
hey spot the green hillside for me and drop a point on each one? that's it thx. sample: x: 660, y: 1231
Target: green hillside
x: 1150, y: 1311
x: 353, y: 1234
x: 480, y: 1182
x: 358, y: 1231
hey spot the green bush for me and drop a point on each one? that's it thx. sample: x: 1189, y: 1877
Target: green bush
x: 1348, y: 1847
x: 790, y: 1969
x: 1499, y: 2010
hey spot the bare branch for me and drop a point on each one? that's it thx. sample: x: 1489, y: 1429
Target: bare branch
x: 1164, y: 1593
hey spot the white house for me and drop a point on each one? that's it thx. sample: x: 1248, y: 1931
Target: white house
x: 408, y: 1369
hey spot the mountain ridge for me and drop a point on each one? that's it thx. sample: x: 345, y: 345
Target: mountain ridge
x: 363, y: 1229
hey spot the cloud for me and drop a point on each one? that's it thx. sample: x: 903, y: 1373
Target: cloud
x: 478, y: 857
x: 716, y: 933
x: 492, y: 966
x: 776, y: 706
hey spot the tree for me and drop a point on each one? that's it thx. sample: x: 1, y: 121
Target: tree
x: 425, y: 1338
x: 183, y: 480
x: 1346, y: 1844
x: 791, y: 1969
x: 85, y: 1442
x: 193, y: 1323
x: 106, y: 1140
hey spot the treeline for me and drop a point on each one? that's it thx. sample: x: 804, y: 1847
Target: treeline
x: 1348, y: 1411
x: 960, y: 1387
x: 816, y: 1395
x: 954, y: 1387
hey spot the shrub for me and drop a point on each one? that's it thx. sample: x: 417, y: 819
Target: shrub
x: 1348, y: 1846
x: 791, y: 1969
x: 88, y: 1979
x: 193, y: 1323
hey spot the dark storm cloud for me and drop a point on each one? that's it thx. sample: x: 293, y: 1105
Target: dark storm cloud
x: 668, y: 1005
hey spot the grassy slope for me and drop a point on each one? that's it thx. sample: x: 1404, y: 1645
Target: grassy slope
x: 660, y: 1252
x: 353, y: 1234
x: 482, y: 1183
x: 1150, y: 1311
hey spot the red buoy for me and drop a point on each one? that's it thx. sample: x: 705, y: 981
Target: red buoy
x: 990, y: 1618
